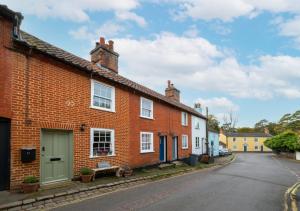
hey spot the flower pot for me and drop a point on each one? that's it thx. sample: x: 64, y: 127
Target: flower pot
x: 30, y: 187
x: 128, y: 173
x: 86, y: 178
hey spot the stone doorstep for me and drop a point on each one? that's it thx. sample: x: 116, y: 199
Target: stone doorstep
x: 42, y: 199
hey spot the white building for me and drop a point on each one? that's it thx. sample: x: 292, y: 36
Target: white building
x: 198, y: 133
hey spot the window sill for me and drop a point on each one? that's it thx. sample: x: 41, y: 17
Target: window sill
x: 102, y: 156
x: 147, y: 152
x: 184, y: 148
x: 144, y: 117
x: 184, y: 125
x: 103, y: 109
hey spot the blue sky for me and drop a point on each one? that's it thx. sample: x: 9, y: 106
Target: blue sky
x: 239, y: 55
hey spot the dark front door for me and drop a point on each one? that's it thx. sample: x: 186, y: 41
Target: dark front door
x: 261, y: 148
x: 245, y: 148
x: 162, y: 148
x: 4, y: 153
x: 175, y: 148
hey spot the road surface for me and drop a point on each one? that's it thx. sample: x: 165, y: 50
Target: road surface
x: 252, y: 182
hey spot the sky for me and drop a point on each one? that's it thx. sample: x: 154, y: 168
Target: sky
x: 239, y: 56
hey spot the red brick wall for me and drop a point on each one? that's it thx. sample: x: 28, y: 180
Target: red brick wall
x: 59, y: 98
x: 5, y: 67
x: 166, y: 120
x: 37, y: 93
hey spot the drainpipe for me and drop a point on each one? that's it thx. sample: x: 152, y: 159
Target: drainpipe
x: 28, y: 121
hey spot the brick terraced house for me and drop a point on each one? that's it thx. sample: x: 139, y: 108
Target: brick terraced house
x: 59, y: 112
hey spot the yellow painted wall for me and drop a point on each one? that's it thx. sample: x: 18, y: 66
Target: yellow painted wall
x: 222, y: 138
x: 250, y: 142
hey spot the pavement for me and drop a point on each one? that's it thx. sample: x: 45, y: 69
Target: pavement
x: 252, y: 182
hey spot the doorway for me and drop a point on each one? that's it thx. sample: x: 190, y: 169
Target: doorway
x: 4, y: 153
x: 162, y: 149
x: 56, y: 156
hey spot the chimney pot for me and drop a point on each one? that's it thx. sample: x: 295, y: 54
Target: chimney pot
x: 102, y: 41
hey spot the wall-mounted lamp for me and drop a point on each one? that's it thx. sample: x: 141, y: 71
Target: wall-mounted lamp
x: 82, y: 127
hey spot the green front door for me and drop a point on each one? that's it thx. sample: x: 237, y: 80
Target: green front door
x: 56, y: 155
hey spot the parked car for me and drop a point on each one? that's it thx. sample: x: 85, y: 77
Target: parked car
x: 223, y: 151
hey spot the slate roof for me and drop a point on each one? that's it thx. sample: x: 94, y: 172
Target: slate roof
x: 87, y: 66
x: 248, y: 134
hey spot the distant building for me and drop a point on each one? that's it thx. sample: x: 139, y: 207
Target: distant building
x: 245, y: 142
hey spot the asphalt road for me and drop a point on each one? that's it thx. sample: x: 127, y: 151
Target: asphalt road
x: 251, y: 182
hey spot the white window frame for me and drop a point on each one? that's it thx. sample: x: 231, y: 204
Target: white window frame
x: 113, y: 99
x: 141, y: 108
x: 92, y: 141
x: 187, y: 142
x: 152, y: 142
x: 184, y: 121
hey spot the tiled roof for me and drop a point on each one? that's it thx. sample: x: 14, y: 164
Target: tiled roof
x: 87, y: 66
x: 248, y: 135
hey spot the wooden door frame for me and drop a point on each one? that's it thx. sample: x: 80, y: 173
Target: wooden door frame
x: 70, y: 156
x: 8, y: 121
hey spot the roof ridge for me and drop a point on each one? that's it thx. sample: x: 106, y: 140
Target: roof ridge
x: 73, y: 59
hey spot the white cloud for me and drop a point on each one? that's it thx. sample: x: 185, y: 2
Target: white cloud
x: 218, y: 104
x: 108, y: 29
x: 76, y: 10
x: 229, y: 10
x: 197, y: 64
x: 126, y: 15
x: 291, y: 28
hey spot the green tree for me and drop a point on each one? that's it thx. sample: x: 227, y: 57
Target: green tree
x: 284, y: 142
x: 213, y: 123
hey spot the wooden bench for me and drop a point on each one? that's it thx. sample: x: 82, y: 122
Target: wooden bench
x: 103, y: 167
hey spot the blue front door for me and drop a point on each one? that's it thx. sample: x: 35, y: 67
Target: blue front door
x: 162, y: 148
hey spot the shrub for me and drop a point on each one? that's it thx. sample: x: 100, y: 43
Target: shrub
x: 284, y: 142
x: 86, y: 171
x: 30, y: 179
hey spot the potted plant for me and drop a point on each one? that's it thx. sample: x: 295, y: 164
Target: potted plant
x: 127, y: 171
x: 30, y: 184
x: 86, y: 174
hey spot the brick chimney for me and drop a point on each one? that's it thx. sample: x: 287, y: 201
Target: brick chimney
x: 198, y: 107
x: 104, y: 55
x: 172, y: 92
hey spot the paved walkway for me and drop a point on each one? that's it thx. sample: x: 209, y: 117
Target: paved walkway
x: 252, y: 182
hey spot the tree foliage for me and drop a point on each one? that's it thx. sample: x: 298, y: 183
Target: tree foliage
x: 213, y: 123
x: 286, y: 122
x: 284, y: 142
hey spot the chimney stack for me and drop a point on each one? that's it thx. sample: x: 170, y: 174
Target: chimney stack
x: 104, y: 55
x: 172, y: 92
x: 198, y: 107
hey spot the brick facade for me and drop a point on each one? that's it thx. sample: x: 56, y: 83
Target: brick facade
x: 39, y: 92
